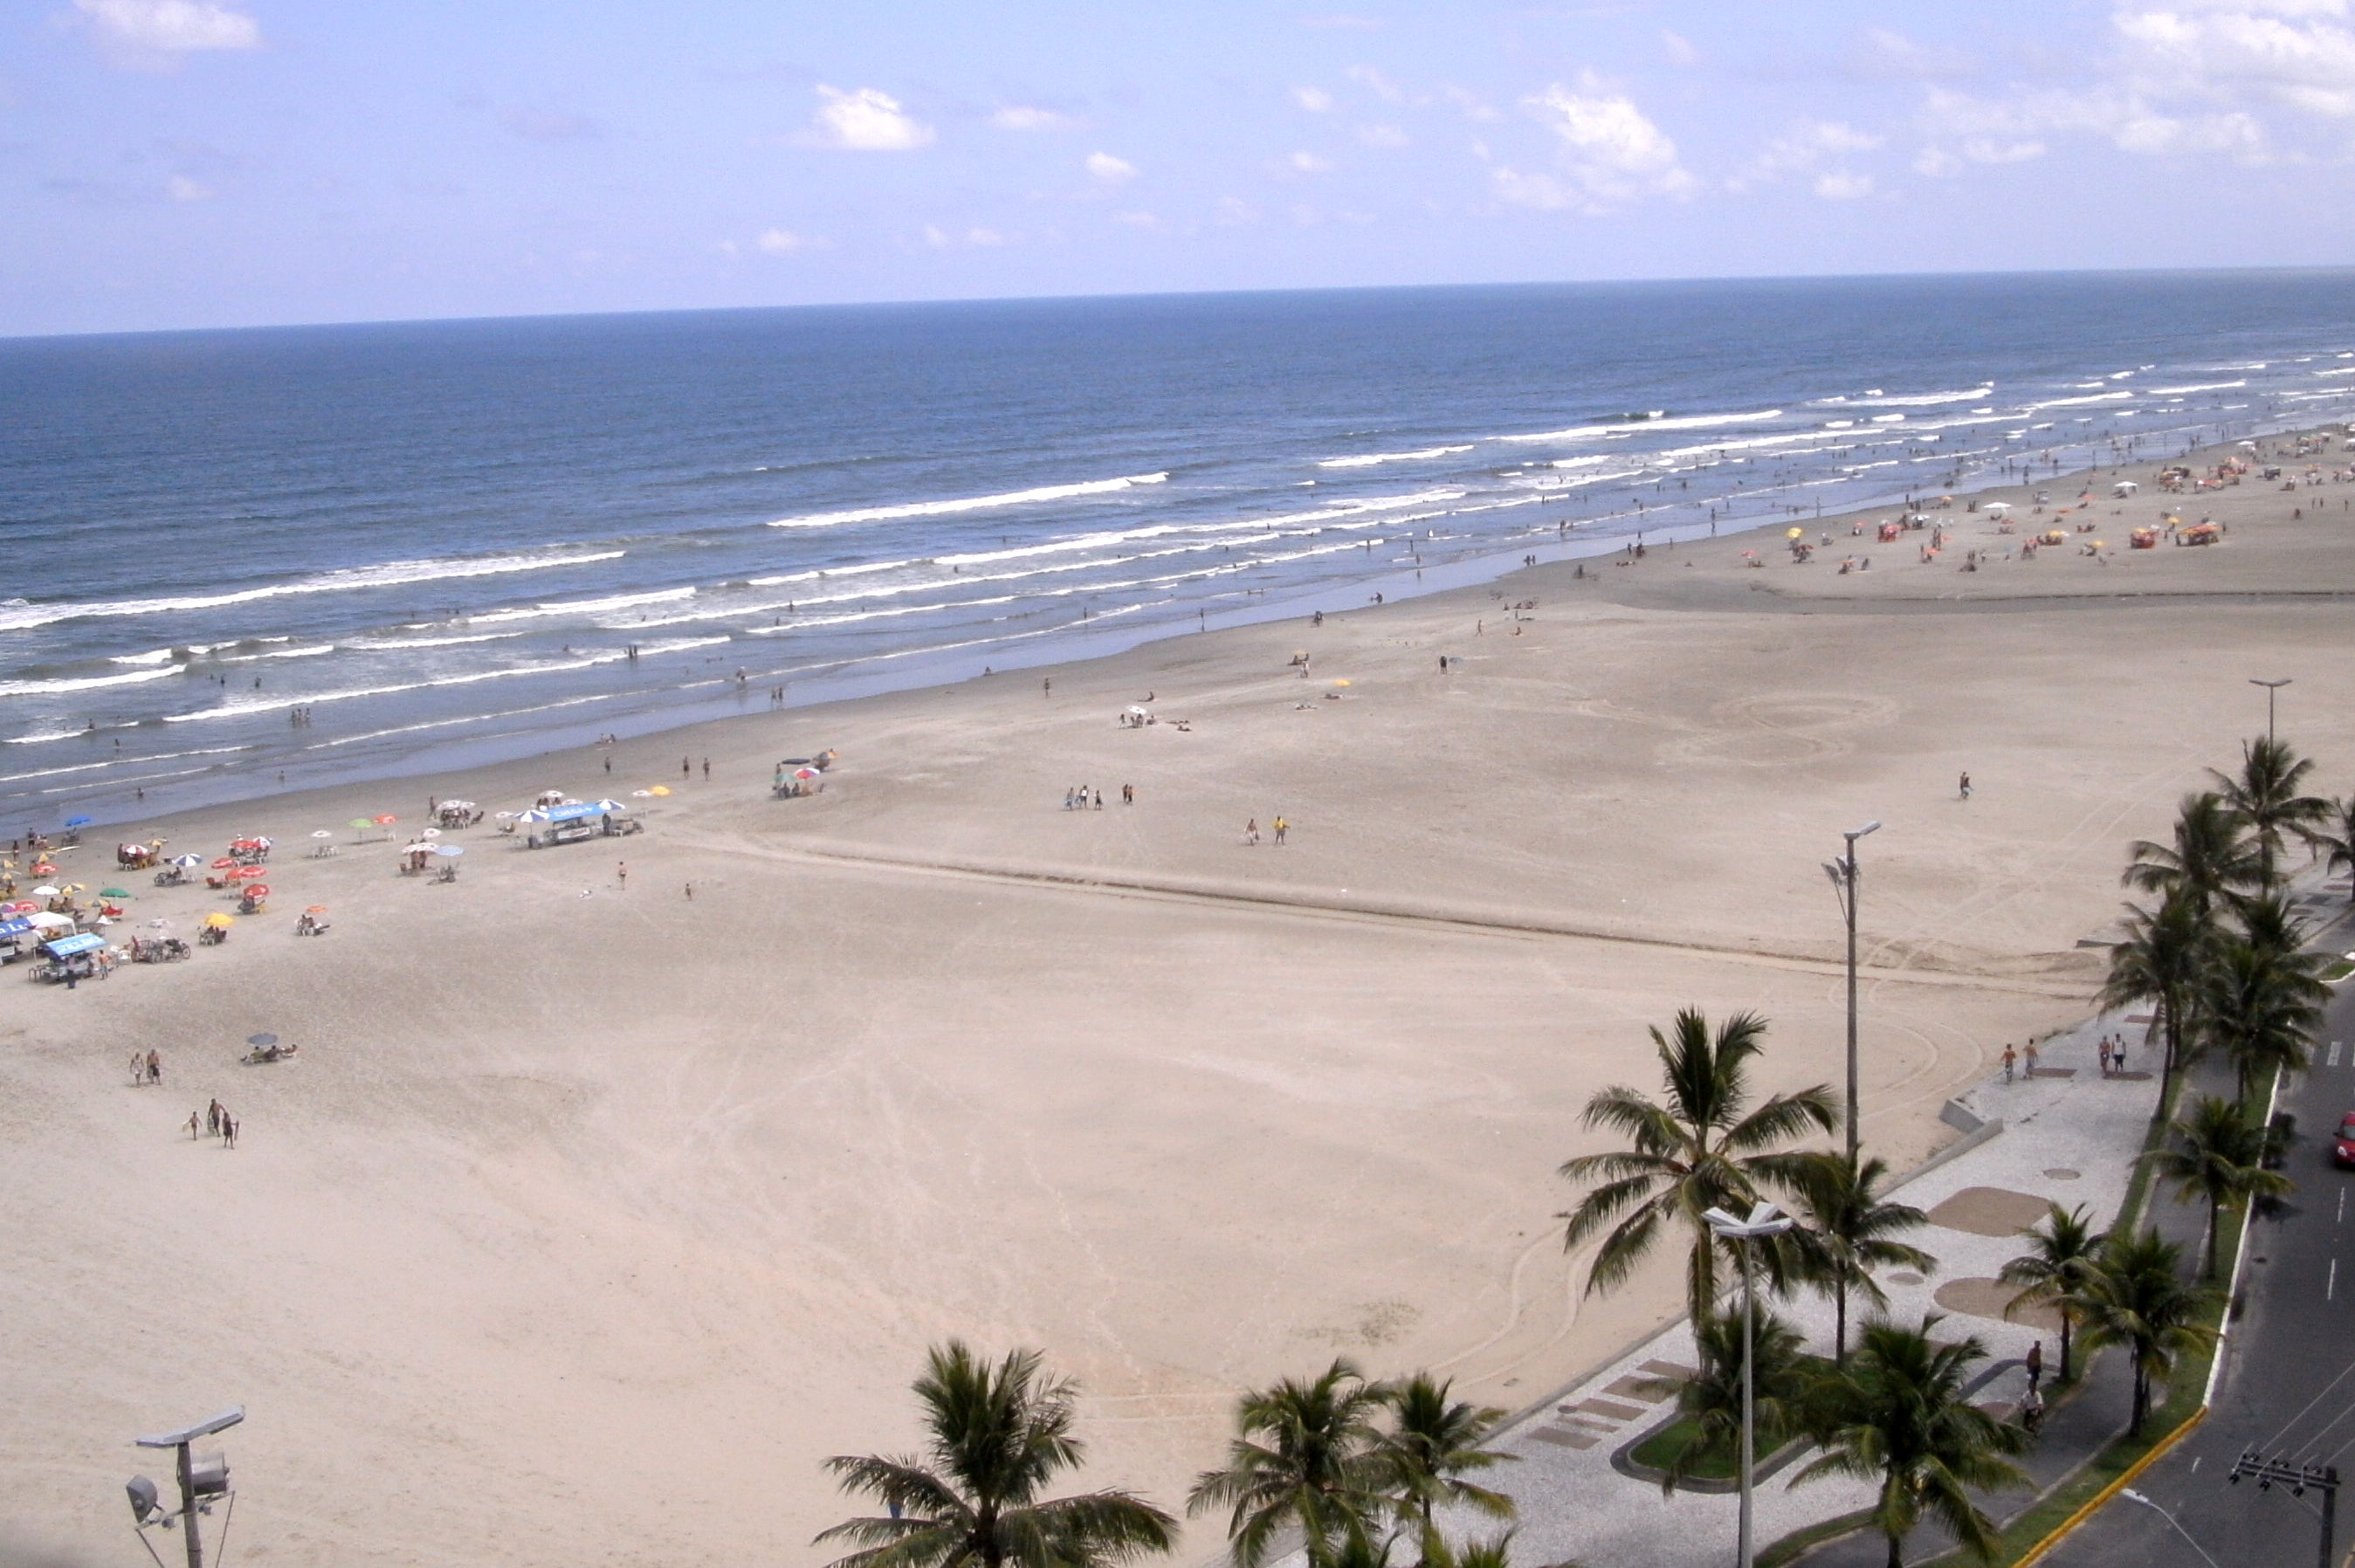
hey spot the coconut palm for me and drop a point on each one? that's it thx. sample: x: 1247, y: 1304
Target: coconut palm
x: 1307, y: 1456
x: 2218, y: 1153
x: 2057, y: 1270
x: 2265, y: 796
x: 2138, y: 1300
x: 2333, y: 837
x: 1698, y: 1149
x: 1433, y: 1443
x: 1496, y: 1551
x: 1712, y: 1398
x: 2259, y: 1009
x: 1898, y: 1415
x: 2209, y: 856
x: 1847, y: 1230
x: 997, y: 1435
x: 2160, y: 962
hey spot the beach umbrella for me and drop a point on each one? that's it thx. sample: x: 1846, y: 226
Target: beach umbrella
x: 45, y: 891
x: 431, y: 833
x: 223, y: 864
x: 45, y: 869
x: 187, y: 863
x: 316, y: 909
x: 659, y: 789
x: 259, y: 890
x: 1340, y: 683
x: 386, y: 820
x: 451, y: 850
x: 115, y: 893
x: 509, y: 815
x: 220, y: 922
x: 805, y: 774
x: 78, y: 821
x: 247, y: 874
x: 1795, y: 533
x: 638, y: 793
x: 264, y: 1040
x: 322, y: 833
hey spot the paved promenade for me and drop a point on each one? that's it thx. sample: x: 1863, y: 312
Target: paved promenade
x: 2067, y: 1136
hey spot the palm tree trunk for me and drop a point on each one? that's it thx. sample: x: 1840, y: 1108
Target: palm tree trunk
x: 1839, y: 1321
x: 2141, y: 1399
x: 2215, y: 1222
x: 2065, y: 1344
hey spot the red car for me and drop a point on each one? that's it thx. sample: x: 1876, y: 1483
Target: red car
x: 2342, y: 1146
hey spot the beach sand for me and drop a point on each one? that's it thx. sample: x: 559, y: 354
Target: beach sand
x: 590, y: 1219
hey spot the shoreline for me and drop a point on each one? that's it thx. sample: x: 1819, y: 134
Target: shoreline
x: 461, y: 755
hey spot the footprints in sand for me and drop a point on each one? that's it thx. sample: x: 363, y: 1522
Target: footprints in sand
x: 1779, y: 728
x: 1378, y: 1323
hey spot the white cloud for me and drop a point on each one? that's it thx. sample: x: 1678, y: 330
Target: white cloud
x: 1838, y: 184
x: 865, y: 120
x: 1938, y: 164
x: 2011, y: 129
x: 1375, y: 82
x: 983, y: 236
x: 1610, y: 152
x: 1475, y: 106
x: 1381, y: 136
x: 154, y: 33
x: 1109, y: 169
x: 935, y: 236
x: 183, y: 189
x: 1678, y: 51
x: 1307, y: 163
x: 784, y: 242
x: 1145, y: 220
x: 1025, y: 117
x: 1803, y: 147
x: 1234, y: 210
x: 1315, y: 99
x: 2277, y: 52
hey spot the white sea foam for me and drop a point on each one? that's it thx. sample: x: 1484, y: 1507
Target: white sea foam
x: 113, y: 762
x: 581, y: 606
x: 20, y: 616
x: 281, y: 654
x: 1687, y: 421
x: 82, y: 683
x: 2078, y: 402
x: 1369, y: 459
x: 2203, y: 386
x: 161, y: 655
x: 310, y: 699
x: 402, y: 644
x: 1908, y: 401
x: 970, y: 502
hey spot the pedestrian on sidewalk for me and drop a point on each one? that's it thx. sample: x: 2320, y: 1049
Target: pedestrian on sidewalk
x: 2031, y: 1412
x: 2035, y: 1366
x: 2031, y: 1058
x: 2010, y: 1057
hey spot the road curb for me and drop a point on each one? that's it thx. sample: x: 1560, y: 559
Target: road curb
x: 2094, y: 1505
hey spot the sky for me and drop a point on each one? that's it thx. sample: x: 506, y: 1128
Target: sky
x: 215, y: 163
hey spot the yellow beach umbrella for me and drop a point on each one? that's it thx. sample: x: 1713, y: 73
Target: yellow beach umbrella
x: 1340, y: 683
x: 218, y: 920
x: 659, y: 789
x: 1794, y: 533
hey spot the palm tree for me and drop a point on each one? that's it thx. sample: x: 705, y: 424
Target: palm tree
x: 1304, y: 1455
x: 997, y: 1435
x: 1494, y: 1553
x: 2160, y: 962
x: 2219, y: 1155
x: 1849, y: 1230
x: 1433, y: 1445
x: 2265, y: 797
x: 2260, y: 1008
x: 2138, y: 1300
x: 2207, y: 858
x: 1898, y: 1415
x: 2057, y: 1270
x: 1697, y: 1151
x: 1712, y: 1398
x: 2334, y: 837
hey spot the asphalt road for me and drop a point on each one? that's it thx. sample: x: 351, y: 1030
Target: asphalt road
x: 2288, y: 1386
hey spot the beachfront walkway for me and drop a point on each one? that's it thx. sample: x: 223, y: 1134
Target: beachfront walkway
x: 2068, y: 1136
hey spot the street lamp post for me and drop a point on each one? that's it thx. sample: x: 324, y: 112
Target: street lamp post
x: 2133, y: 1495
x: 1842, y: 872
x: 2271, y: 687
x: 201, y: 1481
x: 1765, y: 1220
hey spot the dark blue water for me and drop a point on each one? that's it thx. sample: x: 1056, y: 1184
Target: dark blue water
x: 466, y: 538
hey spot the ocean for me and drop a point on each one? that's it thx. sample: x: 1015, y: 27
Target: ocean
x: 244, y: 561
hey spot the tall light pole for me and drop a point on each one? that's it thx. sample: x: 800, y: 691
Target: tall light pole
x: 2133, y: 1495
x: 2271, y: 687
x: 201, y: 1482
x: 1765, y: 1220
x: 1842, y: 872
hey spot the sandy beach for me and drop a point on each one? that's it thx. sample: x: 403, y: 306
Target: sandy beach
x: 591, y: 1217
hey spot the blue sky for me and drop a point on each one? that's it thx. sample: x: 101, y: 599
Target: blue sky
x: 196, y: 163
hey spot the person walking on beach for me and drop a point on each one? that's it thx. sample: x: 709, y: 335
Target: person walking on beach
x: 1128, y: 794
x: 154, y: 1068
x: 2031, y: 1058
x: 138, y: 1070
x: 228, y: 1131
x: 213, y: 1115
x: 1282, y: 827
x: 690, y: 892
x: 2010, y: 1058
x: 622, y: 873
x: 196, y: 1125
x: 1966, y: 786
x: 1047, y: 687
x: 707, y: 770
x: 685, y: 769
x: 1250, y: 831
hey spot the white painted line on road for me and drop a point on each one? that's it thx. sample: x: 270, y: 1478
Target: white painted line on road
x: 2342, y: 1204
x: 2334, y: 1055
x: 2330, y: 1287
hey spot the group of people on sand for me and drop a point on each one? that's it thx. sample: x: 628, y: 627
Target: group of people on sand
x: 214, y: 1120
x: 1251, y: 830
x: 146, y: 1067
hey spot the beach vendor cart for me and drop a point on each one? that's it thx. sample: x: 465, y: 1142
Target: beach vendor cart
x: 578, y: 821
x: 75, y: 958
x: 16, y: 938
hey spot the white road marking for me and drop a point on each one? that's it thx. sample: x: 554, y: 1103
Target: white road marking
x: 2334, y: 1055
x: 2342, y: 1204
x: 2330, y: 1287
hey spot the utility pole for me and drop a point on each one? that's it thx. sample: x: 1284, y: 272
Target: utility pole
x: 201, y: 1482
x: 2270, y: 1473
x: 1843, y: 875
x: 2271, y: 687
